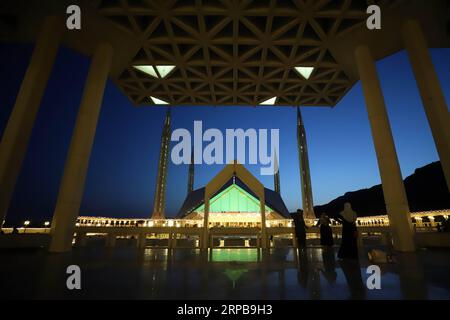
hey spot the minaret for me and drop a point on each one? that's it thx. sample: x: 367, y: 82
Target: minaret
x: 160, y: 190
x: 307, y: 199
x: 190, y: 187
x: 276, y: 176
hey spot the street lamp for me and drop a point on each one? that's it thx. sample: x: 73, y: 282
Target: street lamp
x: 46, y: 224
x: 26, y: 224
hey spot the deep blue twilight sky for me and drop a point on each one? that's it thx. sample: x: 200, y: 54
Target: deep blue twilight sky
x: 122, y: 171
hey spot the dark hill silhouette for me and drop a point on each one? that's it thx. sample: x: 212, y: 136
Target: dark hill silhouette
x: 426, y: 189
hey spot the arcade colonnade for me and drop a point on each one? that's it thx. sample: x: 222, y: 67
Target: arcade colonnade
x: 16, y: 136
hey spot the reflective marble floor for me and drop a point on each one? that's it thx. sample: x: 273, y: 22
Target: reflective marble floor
x: 130, y: 273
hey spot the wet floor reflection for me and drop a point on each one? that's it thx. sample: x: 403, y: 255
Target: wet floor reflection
x: 246, y: 273
x: 352, y: 273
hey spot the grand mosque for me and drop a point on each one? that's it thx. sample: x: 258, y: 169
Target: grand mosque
x: 217, y: 53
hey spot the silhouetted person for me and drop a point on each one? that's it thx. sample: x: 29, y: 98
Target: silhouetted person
x: 349, y: 245
x: 15, y: 230
x: 326, y: 234
x: 300, y: 228
x: 446, y: 225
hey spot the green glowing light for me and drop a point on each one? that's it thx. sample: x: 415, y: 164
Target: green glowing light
x: 234, y: 255
x: 234, y: 275
x: 233, y: 199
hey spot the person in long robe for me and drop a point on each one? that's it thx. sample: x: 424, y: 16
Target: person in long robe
x: 349, y: 243
x: 300, y: 228
x: 326, y: 234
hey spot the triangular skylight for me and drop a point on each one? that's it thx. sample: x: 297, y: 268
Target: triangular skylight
x: 147, y: 69
x: 164, y: 70
x: 270, y: 101
x: 305, y: 71
x: 158, y: 101
x: 152, y: 71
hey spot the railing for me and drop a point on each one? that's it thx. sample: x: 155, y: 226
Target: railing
x: 181, y: 230
x: 428, y: 220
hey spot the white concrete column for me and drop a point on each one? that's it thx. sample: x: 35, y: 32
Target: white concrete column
x: 391, y: 178
x: 18, y: 130
x: 430, y: 90
x: 72, y: 183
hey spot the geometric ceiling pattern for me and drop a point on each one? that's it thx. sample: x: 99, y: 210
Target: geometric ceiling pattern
x: 236, y: 52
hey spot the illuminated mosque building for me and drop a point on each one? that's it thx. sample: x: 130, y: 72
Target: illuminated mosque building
x: 285, y: 53
x: 233, y: 203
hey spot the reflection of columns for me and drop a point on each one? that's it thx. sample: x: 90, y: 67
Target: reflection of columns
x: 17, y: 133
x: 72, y: 183
x: 430, y: 90
x: 412, y: 277
x: 392, y: 182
